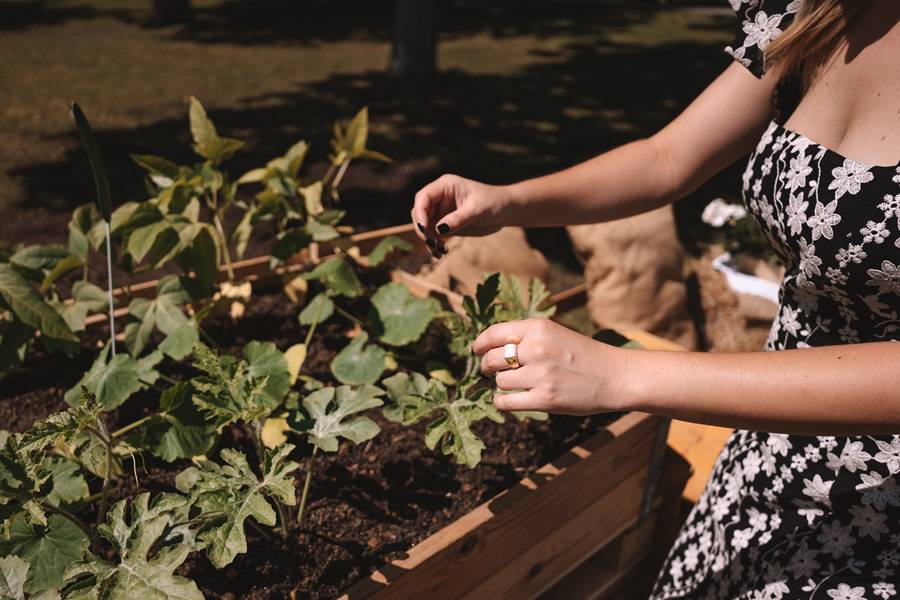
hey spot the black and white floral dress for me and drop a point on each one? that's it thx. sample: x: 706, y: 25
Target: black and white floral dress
x: 785, y: 516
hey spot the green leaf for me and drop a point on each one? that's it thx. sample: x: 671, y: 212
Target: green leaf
x: 86, y: 297
x: 227, y: 392
x: 150, y: 545
x: 62, y: 426
x: 207, y: 142
x: 202, y: 257
x: 69, y: 484
x: 318, y: 310
x: 39, y: 258
x: 162, y: 312
x: 353, y: 140
x: 63, y: 267
x: 331, y: 415
x: 30, y: 307
x: 312, y: 198
x: 486, y: 292
x: 384, y: 248
x: 112, y: 381
x: 13, y: 573
x: 401, y: 317
x: 289, y: 243
x: 179, y: 344
x: 357, y: 363
x: 266, y: 361
x: 180, y: 430
x: 338, y: 276
x: 322, y: 232
x: 512, y: 300
x: 230, y: 494
x: 295, y: 156
x: 453, y: 432
x: 86, y: 229
x: 157, y: 165
x: 411, y: 397
x: 104, y: 201
x: 47, y: 550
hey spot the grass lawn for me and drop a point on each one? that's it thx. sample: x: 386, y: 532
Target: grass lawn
x: 525, y: 88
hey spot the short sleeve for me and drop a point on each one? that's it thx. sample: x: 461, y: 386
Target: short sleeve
x: 761, y: 22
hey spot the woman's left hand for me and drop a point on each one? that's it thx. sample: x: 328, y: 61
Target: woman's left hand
x: 560, y: 371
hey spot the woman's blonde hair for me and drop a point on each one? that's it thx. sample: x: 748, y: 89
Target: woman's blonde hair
x: 812, y: 39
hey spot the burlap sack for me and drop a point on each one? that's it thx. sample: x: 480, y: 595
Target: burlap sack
x: 469, y: 259
x: 634, y: 269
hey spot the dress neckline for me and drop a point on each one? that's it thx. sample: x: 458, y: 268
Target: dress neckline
x: 828, y: 150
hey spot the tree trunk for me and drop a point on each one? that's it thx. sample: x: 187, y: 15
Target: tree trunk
x: 171, y: 11
x: 415, y: 38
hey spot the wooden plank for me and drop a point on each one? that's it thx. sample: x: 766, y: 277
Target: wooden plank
x: 536, y: 568
x: 482, y: 541
x: 700, y: 445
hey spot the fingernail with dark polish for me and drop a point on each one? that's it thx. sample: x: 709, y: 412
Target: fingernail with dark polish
x: 443, y: 249
x: 443, y: 229
x: 430, y: 242
x: 421, y: 227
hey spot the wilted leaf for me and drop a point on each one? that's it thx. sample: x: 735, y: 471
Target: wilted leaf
x: 273, y: 432
x: 229, y: 494
x: 357, y: 363
x: 402, y: 317
x: 331, y: 413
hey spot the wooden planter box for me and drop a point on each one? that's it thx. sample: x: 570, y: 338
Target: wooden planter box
x: 578, y: 528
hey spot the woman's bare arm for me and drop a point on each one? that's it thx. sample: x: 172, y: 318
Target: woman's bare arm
x: 716, y: 129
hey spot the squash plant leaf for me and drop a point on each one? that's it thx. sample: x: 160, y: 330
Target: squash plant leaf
x: 318, y: 310
x: 357, y: 363
x: 104, y: 200
x: 411, y: 398
x: 149, y: 543
x: 39, y: 257
x: 229, y: 494
x: 48, y: 550
x: 385, y: 247
x: 264, y: 359
x: 338, y: 277
x: 69, y: 485
x: 227, y: 392
x: 289, y: 243
x: 62, y: 426
x: 111, y: 381
x: 29, y: 307
x: 332, y: 413
x: 179, y: 430
x: 400, y: 317
x: 13, y: 573
x: 86, y: 298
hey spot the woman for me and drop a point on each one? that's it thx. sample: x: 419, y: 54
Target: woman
x: 812, y: 510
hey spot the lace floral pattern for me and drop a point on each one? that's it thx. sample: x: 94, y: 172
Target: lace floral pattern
x: 785, y: 516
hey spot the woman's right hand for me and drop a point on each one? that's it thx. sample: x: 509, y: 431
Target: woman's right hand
x: 452, y: 205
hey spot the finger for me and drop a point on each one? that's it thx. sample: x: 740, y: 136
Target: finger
x: 522, y: 378
x: 515, y: 401
x: 498, y: 335
x: 427, y: 200
x: 454, y: 223
x: 493, y: 361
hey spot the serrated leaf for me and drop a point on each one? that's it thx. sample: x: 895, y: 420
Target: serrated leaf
x: 111, y: 381
x: 410, y: 397
x: 47, y: 550
x: 453, y: 432
x: 357, y: 363
x: 30, y: 307
x: 384, y: 248
x: 227, y: 392
x: 104, y: 199
x: 231, y: 493
x: 330, y: 415
x: 150, y: 545
x: 13, y: 573
x: 318, y: 310
x: 338, y: 276
x: 512, y: 299
x: 62, y: 426
x: 401, y: 317
x: 179, y: 430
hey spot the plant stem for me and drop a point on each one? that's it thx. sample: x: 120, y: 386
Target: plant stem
x: 207, y: 337
x: 305, y: 494
x: 312, y: 327
x: 347, y: 315
x: 104, y: 491
x: 120, y: 432
x: 340, y: 174
x: 221, y: 230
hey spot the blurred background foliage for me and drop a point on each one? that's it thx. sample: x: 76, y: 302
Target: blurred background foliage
x: 521, y: 88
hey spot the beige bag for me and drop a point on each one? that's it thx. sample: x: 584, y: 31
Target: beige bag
x: 634, y: 269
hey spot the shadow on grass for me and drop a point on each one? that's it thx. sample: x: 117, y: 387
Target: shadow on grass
x: 495, y: 128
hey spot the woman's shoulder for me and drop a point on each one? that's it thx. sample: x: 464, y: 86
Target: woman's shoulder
x: 761, y: 21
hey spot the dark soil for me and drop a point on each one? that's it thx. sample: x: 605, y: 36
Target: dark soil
x: 369, y: 503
